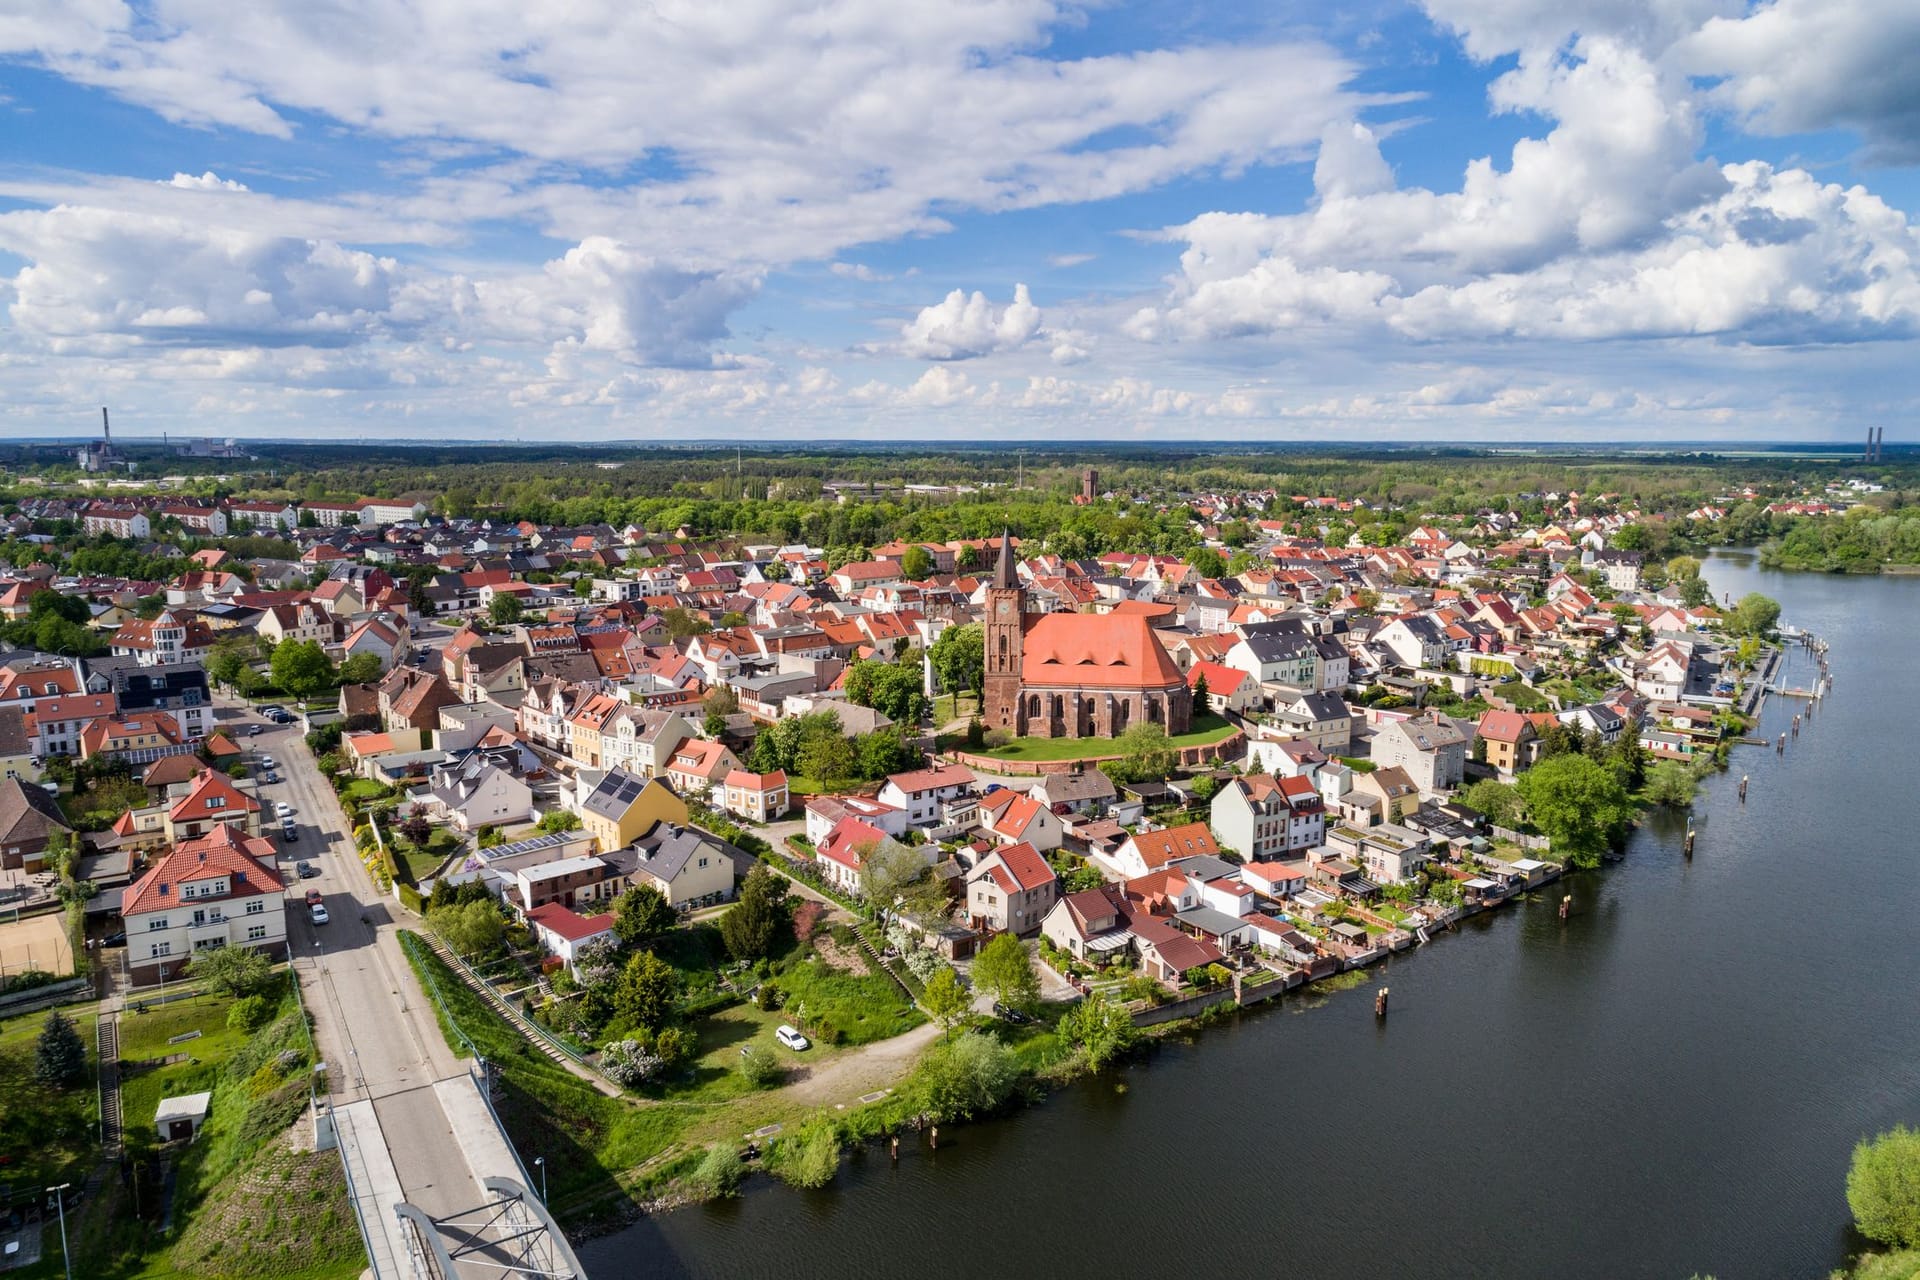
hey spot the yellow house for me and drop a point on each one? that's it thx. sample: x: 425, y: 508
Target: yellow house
x: 588, y: 724
x: 624, y: 806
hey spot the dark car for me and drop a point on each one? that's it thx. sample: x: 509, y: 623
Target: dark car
x: 114, y: 940
x: 307, y: 870
x: 1007, y: 1014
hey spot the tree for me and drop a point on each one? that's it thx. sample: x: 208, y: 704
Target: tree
x: 896, y: 873
x: 1755, y: 615
x: 749, y: 929
x: 1202, y: 696
x: 231, y: 971
x: 1101, y: 1028
x: 361, y: 668
x: 1208, y: 563
x: 1579, y: 803
x: 968, y: 559
x: 883, y: 752
x: 415, y: 826
x: 959, y: 658
x: 301, y: 667
x: 504, y: 609
x: 643, y: 995
x: 1670, y: 783
x: 1146, y: 754
x: 227, y: 658
x: 917, y: 564
x: 828, y: 759
x: 972, y: 1075
x: 559, y: 820
x: 59, y: 1059
x: 640, y: 913
x: 1632, y: 537
x: 1499, y: 801
x: 1004, y: 970
x: 683, y: 625
x: 1883, y: 1187
x: 889, y: 688
x: 946, y: 999
x: 810, y: 1158
x: 472, y: 929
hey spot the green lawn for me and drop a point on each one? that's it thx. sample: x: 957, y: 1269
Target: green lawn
x: 367, y: 789
x: 1207, y: 730
x: 244, y: 1206
x: 949, y: 707
x: 47, y: 1134
x: 845, y: 1008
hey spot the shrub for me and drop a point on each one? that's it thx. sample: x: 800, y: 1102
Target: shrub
x: 628, y: 1063
x: 249, y: 1014
x: 758, y: 1066
x: 1883, y: 1187
x: 971, y: 1076
x: 809, y: 1159
x: 719, y: 1172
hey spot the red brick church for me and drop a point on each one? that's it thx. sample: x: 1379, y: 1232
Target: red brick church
x: 1074, y: 675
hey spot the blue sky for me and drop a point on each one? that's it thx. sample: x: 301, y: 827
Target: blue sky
x: 1457, y: 219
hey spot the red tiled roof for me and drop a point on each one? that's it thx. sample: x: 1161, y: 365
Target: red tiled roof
x: 568, y: 923
x: 1106, y: 651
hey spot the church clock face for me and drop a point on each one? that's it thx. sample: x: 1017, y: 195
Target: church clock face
x: 1006, y: 607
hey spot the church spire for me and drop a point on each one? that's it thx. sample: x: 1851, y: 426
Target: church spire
x: 1003, y: 574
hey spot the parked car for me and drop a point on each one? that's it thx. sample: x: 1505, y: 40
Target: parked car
x: 1007, y: 1013
x: 282, y: 808
x: 317, y: 913
x: 271, y: 709
x: 253, y: 731
x: 313, y: 895
x: 792, y: 1038
x: 114, y: 940
x: 307, y: 870
x: 289, y: 832
x: 271, y: 777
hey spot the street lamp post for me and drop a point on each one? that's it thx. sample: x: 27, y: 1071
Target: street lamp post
x: 540, y: 1163
x: 60, y: 1202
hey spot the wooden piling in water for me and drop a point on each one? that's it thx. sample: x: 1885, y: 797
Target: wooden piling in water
x: 1743, y: 788
x: 1566, y: 904
x: 1780, y: 747
x: 1380, y: 1003
x: 1689, y: 844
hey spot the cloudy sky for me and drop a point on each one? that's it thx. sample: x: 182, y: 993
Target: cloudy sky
x: 912, y: 219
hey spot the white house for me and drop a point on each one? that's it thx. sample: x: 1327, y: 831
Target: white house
x: 923, y: 792
x: 562, y: 931
x: 222, y: 889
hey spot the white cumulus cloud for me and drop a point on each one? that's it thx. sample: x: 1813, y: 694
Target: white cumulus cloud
x: 962, y: 326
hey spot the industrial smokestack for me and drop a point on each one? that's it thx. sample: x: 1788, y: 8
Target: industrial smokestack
x: 106, y: 428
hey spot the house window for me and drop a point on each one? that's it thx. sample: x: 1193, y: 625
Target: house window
x: 158, y: 922
x: 161, y: 949
x: 255, y: 907
x: 256, y: 932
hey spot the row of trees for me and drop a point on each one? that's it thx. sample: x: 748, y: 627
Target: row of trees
x: 814, y: 746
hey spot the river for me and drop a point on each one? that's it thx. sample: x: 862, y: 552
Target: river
x: 1669, y: 1082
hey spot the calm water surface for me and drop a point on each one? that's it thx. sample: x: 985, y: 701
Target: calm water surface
x: 1671, y: 1081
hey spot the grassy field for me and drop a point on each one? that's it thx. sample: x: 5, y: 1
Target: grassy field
x: 1207, y: 730
x: 238, y: 1174
x: 845, y: 1008
x: 47, y: 1135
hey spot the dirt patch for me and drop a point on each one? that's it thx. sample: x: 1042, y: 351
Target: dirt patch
x: 846, y: 959
x: 38, y: 942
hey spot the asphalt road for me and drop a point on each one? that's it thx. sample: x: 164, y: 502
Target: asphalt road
x: 374, y: 1026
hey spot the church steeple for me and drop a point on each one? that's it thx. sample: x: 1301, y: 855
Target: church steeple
x: 1004, y: 640
x: 1004, y: 576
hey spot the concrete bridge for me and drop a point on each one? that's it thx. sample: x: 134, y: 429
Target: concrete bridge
x: 439, y: 1192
